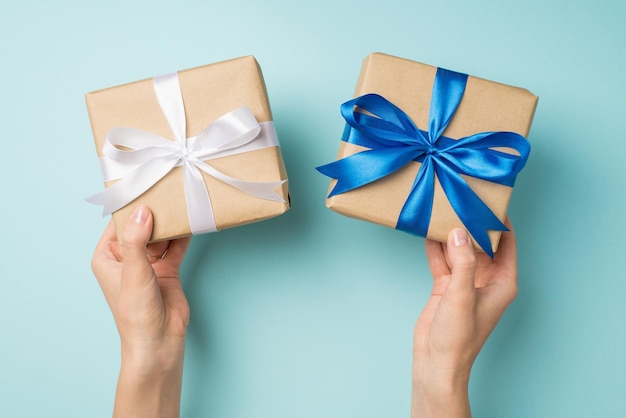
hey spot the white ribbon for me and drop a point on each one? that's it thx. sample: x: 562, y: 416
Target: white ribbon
x: 139, y: 159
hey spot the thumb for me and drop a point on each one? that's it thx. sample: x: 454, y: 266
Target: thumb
x: 135, y: 265
x: 462, y: 261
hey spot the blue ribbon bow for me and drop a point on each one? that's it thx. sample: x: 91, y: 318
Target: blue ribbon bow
x: 394, y: 141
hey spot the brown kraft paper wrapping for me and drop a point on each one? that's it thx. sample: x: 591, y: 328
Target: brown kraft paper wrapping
x: 208, y: 93
x: 486, y: 106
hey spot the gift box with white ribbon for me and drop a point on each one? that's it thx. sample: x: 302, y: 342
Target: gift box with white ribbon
x: 198, y: 147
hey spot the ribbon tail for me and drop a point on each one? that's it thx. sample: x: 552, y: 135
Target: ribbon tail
x: 366, y: 167
x: 471, y: 210
x: 415, y: 215
x: 263, y: 190
x: 133, y: 185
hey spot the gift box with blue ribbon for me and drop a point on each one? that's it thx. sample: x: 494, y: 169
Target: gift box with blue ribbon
x: 198, y: 147
x: 427, y: 149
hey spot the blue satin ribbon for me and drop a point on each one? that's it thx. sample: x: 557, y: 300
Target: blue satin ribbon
x: 394, y: 141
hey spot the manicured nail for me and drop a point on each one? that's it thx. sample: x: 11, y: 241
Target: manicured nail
x: 460, y: 237
x: 141, y: 215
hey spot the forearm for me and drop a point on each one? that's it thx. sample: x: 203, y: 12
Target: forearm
x: 149, y: 389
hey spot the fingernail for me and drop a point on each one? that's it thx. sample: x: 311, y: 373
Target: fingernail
x: 141, y: 215
x: 460, y: 237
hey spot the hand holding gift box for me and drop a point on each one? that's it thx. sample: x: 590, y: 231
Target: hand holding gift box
x: 198, y: 147
x: 457, y: 173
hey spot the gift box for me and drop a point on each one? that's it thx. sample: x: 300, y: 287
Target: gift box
x: 427, y: 149
x: 198, y: 147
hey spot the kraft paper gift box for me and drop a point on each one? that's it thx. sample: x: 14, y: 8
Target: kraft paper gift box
x: 240, y: 148
x: 484, y: 106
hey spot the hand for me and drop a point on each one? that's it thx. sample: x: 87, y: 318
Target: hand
x: 469, y: 296
x: 141, y: 284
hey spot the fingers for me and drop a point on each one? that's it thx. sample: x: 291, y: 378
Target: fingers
x: 177, y: 250
x: 102, y: 247
x: 462, y: 259
x: 507, y: 250
x: 506, y: 261
x: 104, y: 252
x: 157, y: 250
x: 136, y: 268
x: 436, y: 259
x: 108, y: 235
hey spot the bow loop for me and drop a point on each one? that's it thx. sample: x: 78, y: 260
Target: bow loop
x: 233, y: 130
x: 383, y: 123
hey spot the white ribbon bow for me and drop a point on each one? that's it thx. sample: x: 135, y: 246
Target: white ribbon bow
x: 139, y: 159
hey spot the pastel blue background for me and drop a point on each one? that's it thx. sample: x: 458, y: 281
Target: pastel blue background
x: 311, y: 314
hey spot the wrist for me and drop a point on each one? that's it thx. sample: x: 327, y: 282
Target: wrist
x: 149, y: 384
x: 440, y: 391
x: 153, y: 359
